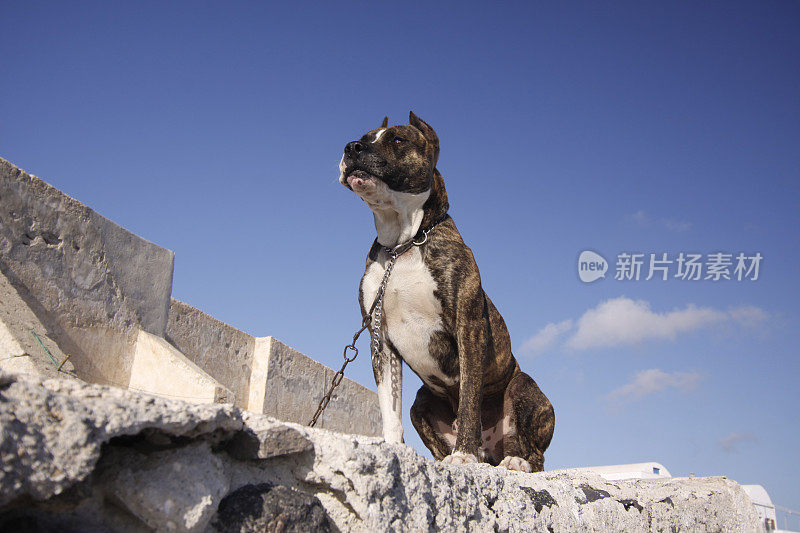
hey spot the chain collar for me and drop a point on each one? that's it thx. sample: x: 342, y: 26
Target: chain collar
x: 400, y: 249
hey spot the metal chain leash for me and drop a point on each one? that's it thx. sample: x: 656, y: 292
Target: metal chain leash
x: 338, y: 376
x: 375, y: 317
x: 377, y: 309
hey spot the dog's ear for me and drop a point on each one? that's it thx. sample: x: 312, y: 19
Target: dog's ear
x: 385, y: 123
x: 424, y: 127
x: 427, y: 132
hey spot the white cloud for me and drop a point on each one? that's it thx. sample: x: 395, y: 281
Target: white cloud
x: 749, y: 316
x: 623, y: 321
x: 653, y: 380
x: 546, y: 337
x: 676, y: 225
x: 640, y: 217
x: 643, y: 219
x: 732, y: 442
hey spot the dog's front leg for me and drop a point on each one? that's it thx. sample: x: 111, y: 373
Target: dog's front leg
x: 388, y: 370
x: 472, y: 322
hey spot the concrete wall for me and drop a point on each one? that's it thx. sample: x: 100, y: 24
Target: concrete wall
x: 219, y: 349
x: 296, y: 383
x: 268, y: 377
x: 353, y: 407
x: 21, y: 333
x: 160, y: 369
x: 92, y: 283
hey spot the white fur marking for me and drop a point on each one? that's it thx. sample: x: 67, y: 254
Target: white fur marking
x: 342, y: 177
x: 398, y: 215
x: 412, y: 312
x: 378, y: 134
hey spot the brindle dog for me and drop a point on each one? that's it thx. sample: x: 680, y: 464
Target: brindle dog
x: 476, y: 403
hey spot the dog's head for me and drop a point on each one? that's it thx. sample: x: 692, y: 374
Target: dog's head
x: 400, y: 159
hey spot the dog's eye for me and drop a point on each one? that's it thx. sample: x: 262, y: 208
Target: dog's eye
x: 399, y: 140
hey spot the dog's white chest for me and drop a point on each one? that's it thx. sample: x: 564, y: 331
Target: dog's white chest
x: 411, y: 311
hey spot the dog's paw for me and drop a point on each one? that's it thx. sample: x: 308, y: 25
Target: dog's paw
x: 516, y: 463
x: 460, y: 458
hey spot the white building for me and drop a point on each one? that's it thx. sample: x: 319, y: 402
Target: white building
x: 763, y: 504
x: 649, y: 470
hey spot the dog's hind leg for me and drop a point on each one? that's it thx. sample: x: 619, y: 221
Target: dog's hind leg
x: 531, y: 424
x: 433, y: 418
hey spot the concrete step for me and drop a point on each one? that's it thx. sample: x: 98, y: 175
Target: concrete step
x: 160, y: 369
x: 157, y: 367
x: 24, y: 342
x: 269, y: 377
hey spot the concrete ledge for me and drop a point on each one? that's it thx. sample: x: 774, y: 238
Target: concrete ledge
x: 120, y: 461
x: 159, y: 369
x: 295, y: 384
x: 219, y: 349
x: 21, y: 333
x: 269, y: 377
x: 92, y: 283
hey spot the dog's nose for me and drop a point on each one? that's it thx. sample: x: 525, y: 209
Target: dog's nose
x: 354, y: 148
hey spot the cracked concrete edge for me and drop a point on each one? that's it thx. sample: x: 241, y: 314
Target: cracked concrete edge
x: 52, y: 431
x: 364, y: 483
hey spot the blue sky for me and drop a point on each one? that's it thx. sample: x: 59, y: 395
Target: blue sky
x: 215, y: 131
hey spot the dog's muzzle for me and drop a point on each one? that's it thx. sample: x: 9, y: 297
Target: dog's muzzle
x: 354, y: 149
x: 361, y: 181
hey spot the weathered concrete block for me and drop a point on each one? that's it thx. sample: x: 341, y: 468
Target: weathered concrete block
x: 24, y: 344
x: 352, y: 406
x: 267, y: 438
x: 296, y: 383
x: 219, y: 349
x: 170, y: 490
x: 269, y: 377
x: 51, y: 431
x: 60, y: 465
x: 92, y: 283
x: 102, y: 294
x: 293, y: 382
x: 158, y: 368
